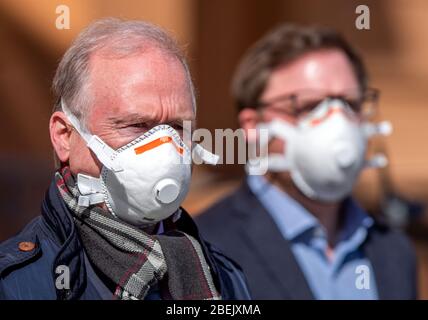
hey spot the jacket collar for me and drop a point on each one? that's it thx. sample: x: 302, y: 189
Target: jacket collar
x: 260, y: 231
x: 387, y: 264
x: 59, y: 222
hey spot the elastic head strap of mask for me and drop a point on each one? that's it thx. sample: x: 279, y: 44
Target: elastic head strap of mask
x: 274, y: 162
x: 104, y: 153
x: 205, y: 155
x: 91, y: 190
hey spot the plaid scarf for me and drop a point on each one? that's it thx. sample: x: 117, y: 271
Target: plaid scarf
x: 136, y: 261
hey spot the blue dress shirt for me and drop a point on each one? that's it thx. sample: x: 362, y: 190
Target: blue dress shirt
x: 349, y: 274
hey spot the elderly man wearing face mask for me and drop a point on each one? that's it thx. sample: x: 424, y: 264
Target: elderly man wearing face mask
x: 111, y: 225
x: 296, y: 231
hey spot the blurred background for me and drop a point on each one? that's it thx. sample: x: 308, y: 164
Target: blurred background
x: 215, y: 34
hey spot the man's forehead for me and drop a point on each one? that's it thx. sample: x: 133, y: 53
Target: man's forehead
x: 107, y: 71
x: 140, y: 87
x: 321, y: 69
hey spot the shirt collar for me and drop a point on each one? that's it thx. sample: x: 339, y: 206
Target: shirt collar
x: 290, y: 216
x: 355, y: 218
x: 294, y: 220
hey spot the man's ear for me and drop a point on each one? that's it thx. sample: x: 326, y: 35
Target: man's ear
x: 248, y: 119
x: 60, y: 133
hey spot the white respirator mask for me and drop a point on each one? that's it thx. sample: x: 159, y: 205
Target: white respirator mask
x: 325, y: 151
x: 144, y: 181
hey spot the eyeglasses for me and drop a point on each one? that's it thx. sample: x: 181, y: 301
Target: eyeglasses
x: 298, y: 104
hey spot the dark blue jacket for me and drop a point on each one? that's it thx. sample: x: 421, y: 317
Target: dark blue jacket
x: 30, y: 273
x: 242, y: 228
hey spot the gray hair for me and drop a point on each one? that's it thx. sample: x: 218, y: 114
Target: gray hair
x: 117, y: 37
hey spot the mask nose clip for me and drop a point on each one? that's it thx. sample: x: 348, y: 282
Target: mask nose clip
x: 167, y: 190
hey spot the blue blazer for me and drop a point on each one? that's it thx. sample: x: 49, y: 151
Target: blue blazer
x: 242, y: 228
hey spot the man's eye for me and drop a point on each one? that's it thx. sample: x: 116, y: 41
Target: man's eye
x: 176, y: 126
x: 139, y: 125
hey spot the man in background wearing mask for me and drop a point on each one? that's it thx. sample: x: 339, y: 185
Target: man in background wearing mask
x: 296, y: 231
x: 111, y: 225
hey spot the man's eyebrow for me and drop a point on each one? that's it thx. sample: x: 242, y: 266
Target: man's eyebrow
x: 138, y: 118
x: 129, y: 118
